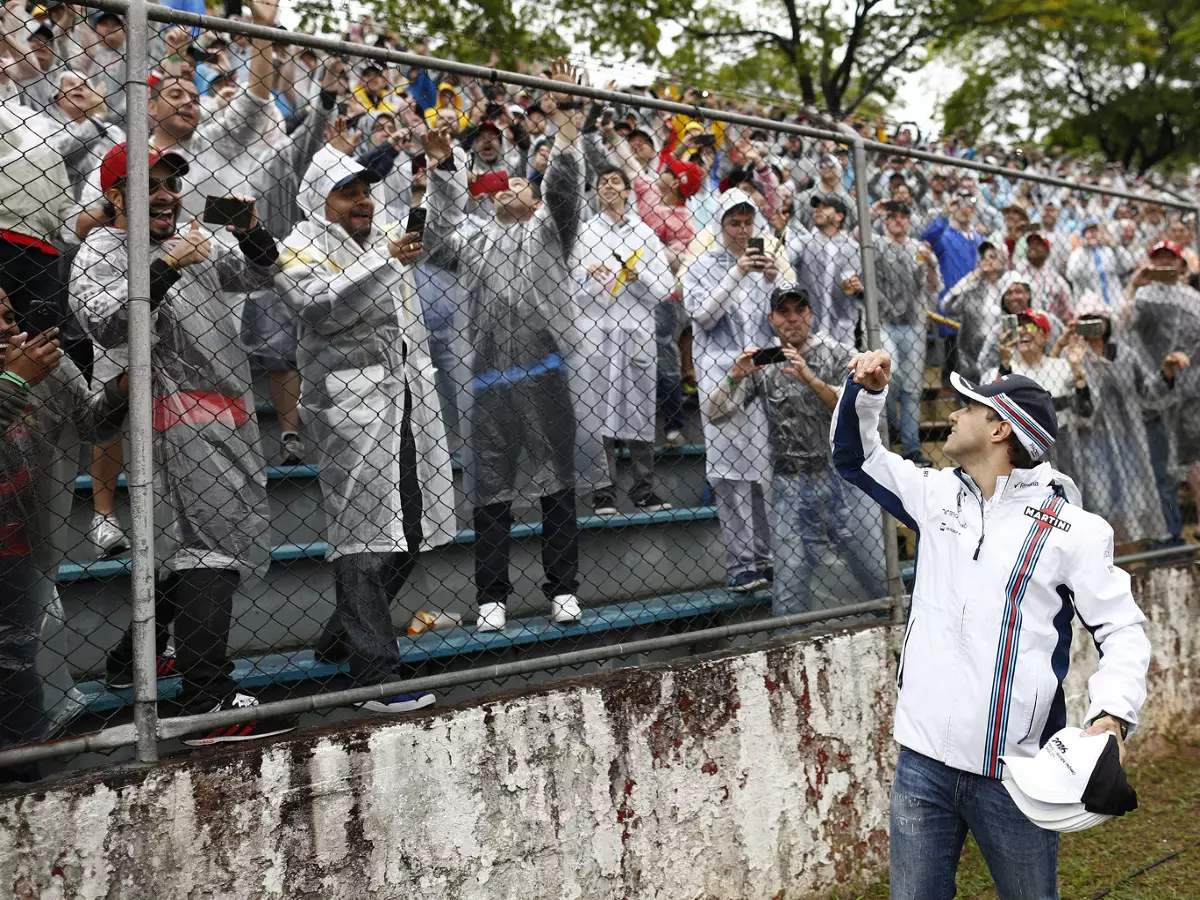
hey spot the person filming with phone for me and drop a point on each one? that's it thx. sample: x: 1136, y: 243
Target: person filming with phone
x: 367, y: 389
x: 727, y: 293
x: 213, y: 522
x: 813, y: 518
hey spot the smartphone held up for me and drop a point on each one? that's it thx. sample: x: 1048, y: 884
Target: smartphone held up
x: 223, y: 211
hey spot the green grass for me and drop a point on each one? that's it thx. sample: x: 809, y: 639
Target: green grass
x: 1167, y: 820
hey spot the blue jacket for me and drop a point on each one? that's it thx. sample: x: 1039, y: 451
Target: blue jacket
x: 957, y: 253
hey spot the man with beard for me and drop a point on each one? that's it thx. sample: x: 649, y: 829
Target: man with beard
x: 213, y: 520
x: 364, y: 362
x: 529, y: 436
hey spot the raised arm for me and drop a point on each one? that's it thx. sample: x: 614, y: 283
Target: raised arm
x: 859, y: 456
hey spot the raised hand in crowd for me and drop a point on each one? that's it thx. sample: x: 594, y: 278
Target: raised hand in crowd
x: 852, y: 285
x: 1174, y: 363
x: 32, y: 359
x: 340, y: 136
x: 438, y: 146
x: 332, y: 74
x: 264, y: 12
x: 872, y: 369
x: 191, y: 249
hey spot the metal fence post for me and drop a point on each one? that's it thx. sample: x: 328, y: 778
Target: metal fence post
x: 141, y: 475
x: 866, y: 248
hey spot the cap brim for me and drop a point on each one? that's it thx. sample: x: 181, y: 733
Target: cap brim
x: 969, y: 390
x: 1036, y: 783
x: 1038, y: 810
x: 366, y: 175
x: 177, y: 161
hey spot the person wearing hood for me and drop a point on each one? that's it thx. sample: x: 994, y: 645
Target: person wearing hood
x: 624, y: 275
x: 448, y: 99
x: 828, y: 262
x: 727, y: 291
x: 1050, y: 291
x: 1016, y: 296
x: 532, y: 429
x: 45, y: 410
x: 1099, y: 266
x: 212, y: 519
x: 369, y: 398
x: 1166, y: 316
x: 1116, y: 475
x: 829, y: 183
x: 1025, y: 353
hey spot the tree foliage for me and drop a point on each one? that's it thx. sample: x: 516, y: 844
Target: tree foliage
x: 1114, y: 78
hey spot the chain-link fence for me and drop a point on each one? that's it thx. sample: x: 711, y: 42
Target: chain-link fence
x: 427, y: 375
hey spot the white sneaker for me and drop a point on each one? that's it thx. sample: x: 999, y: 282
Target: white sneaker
x: 492, y: 617
x: 565, y: 608
x: 292, y: 450
x: 673, y: 439
x: 106, y: 536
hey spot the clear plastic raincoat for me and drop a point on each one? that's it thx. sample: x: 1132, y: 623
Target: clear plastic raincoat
x: 531, y: 425
x: 210, y: 483
x: 362, y: 342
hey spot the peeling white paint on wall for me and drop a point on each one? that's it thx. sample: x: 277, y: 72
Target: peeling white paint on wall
x: 762, y: 774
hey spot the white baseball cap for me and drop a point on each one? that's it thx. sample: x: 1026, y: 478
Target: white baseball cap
x: 1073, y: 782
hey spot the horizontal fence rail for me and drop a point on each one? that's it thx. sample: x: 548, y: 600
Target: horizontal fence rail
x: 337, y: 427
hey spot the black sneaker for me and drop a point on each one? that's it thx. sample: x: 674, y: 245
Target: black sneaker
x: 118, y: 674
x: 252, y: 730
x: 604, y: 504
x: 747, y: 582
x: 652, y: 503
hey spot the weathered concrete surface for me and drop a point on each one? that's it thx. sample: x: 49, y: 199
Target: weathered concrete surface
x: 735, y: 777
x: 760, y: 775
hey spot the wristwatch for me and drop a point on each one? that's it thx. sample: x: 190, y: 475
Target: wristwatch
x: 1121, y: 723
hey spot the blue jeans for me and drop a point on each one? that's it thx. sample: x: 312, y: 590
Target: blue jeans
x: 906, y: 344
x: 814, y: 522
x: 1164, y: 480
x: 933, y: 808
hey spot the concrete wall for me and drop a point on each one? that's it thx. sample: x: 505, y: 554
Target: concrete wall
x: 758, y: 775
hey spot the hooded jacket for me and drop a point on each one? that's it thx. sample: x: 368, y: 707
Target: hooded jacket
x: 998, y: 582
x: 362, y: 347
x: 531, y: 385
x: 210, y: 483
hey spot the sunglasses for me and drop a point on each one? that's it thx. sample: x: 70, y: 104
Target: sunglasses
x: 172, y: 183
x: 1028, y: 328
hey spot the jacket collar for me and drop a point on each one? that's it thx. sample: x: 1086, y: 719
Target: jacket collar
x: 1023, y: 485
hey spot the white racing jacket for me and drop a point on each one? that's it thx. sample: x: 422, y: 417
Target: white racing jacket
x: 997, y: 584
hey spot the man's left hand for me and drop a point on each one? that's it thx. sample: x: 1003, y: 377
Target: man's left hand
x: 1112, y: 725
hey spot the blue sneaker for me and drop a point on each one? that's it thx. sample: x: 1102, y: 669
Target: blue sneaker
x: 747, y: 582
x: 400, y: 703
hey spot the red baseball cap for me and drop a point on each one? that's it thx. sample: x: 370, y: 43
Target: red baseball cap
x: 1040, y: 319
x: 688, y: 174
x: 1169, y: 247
x: 115, y: 166
x: 489, y: 183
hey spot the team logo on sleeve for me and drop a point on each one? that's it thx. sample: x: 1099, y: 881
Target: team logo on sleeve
x: 1046, y: 518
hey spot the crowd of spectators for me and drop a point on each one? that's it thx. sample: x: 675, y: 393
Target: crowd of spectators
x: 427, y: 267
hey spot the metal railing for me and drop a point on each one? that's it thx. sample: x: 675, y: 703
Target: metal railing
x: 148, y: 729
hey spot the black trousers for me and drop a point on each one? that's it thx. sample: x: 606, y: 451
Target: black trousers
x: 560, y: 548
x: 36, y: 285
x: 361, y: 625
x: 200, y: 604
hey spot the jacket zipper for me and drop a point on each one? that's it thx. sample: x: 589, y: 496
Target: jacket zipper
x: 982, y: 518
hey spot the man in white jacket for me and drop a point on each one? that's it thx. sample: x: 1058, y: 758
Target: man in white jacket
x: 1005, y: 564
